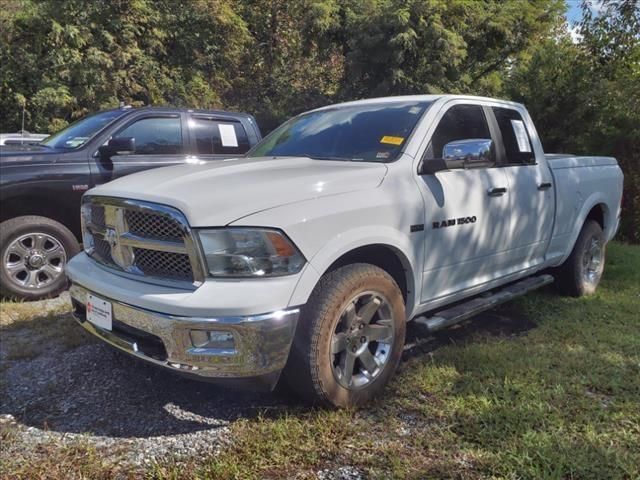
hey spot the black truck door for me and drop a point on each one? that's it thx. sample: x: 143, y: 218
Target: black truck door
x: 160, y: 140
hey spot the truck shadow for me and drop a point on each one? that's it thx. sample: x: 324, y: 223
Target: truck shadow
x: 96, y: 390
x: 507, y: 321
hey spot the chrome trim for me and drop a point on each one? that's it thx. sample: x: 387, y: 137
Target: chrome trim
x: 96, y: 229
x: 131, y: 240
x: 139, y: 277
x: 262, y: 342
x: 122, y: 241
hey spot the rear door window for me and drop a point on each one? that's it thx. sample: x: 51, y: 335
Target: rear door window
x: 515, y: 137
x: 217, y: 136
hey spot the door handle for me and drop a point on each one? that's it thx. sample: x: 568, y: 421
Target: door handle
x: 545, y: 186
x: 496, y: 191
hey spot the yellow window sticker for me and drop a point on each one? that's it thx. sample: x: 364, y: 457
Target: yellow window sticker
x: 392, y: 140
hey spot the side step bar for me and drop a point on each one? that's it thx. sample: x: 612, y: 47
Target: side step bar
x: 463, y: 311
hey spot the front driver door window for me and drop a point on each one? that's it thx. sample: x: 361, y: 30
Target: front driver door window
x: 155, y: 135
x: 159, y: 142
x: 466, y: 226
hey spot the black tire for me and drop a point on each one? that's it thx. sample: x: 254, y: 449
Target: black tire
x: 578, y: 275
x: 342, y: 298
x: 47, y: 283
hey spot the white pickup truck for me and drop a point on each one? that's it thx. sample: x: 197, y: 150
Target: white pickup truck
x: 303, y: 261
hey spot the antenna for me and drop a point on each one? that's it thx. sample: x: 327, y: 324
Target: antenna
x: 24, y: 104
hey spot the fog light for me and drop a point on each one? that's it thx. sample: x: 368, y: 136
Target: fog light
x: 216, y: 339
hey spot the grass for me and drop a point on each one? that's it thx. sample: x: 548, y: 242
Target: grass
x: 81, y: 460
x: 561, y: 401
x: 28, y: 329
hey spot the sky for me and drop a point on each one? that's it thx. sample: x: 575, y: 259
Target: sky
x: 574, y: 12
x: 574, y: 15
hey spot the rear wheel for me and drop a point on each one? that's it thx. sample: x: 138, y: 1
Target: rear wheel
x: 580, y: 274
x: 34, y: 251
x: 349, y: 338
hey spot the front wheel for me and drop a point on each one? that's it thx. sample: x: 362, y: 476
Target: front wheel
x: 34, y: 251
x: 580, y: 274
x: 349, y: 338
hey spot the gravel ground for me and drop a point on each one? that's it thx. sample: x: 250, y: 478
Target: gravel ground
x: 137, y: 412
x: 134, y: 413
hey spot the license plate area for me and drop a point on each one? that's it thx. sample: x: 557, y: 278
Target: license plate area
x: 99, y: 312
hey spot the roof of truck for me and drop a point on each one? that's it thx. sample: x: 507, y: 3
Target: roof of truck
x: 179, y: 109
x: 415, y: 98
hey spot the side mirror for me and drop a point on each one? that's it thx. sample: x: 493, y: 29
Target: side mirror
x: 471, y: 150
x: 458, y: 154
x: 118, y: 146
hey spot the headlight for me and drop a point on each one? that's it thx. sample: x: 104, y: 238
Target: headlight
x: 85, y: 219
x: 249, y: 252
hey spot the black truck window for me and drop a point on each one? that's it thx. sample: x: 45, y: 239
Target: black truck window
x: 214, y: 136
x: 155, y: 135
x: 515, y: 137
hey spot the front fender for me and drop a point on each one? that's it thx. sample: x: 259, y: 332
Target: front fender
x: 325, y: 229
x: 349, y: 241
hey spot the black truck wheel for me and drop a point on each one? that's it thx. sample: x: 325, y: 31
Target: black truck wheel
x: 349, y: 337
x: 34, y: 251
x: 580, y: 274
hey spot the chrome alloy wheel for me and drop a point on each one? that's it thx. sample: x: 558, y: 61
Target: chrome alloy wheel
x: 362, y: 340
x: 592, y: 261
x: 34, y: 260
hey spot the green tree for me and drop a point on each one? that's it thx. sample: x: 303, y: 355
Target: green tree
x: 287, y: 68
x: 72, y: 57
x: 585, y: 97
x: 457, y: 46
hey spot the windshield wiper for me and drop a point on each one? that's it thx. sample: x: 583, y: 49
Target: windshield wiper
x: 326, y: 157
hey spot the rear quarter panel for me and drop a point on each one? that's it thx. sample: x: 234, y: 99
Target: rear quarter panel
x: 581, y: 184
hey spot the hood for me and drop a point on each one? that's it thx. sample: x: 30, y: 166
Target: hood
x: 220, y: 192
x: 27, y: 153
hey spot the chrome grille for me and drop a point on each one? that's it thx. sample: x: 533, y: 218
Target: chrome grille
x: 156, y: 263
x: 97, y: 215
x: 141, y: 238
x: 153, y: 226
x: 102, y: 249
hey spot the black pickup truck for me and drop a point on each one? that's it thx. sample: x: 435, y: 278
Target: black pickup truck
x: 41, y: 185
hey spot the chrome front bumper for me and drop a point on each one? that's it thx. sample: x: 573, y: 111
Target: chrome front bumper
x: 255, y: 358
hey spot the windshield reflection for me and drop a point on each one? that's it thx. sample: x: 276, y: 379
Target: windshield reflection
x: 81, y: 131
x: 364, y: 132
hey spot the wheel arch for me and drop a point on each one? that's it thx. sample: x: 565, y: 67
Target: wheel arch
x: 386, y: 256
x: 599, y: 213
x: 44, y: 206
x: 594, y: 209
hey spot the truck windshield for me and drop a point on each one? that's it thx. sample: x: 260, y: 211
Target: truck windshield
x: 81, y: 131
x: 371, y: 132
